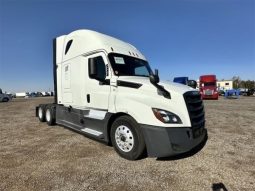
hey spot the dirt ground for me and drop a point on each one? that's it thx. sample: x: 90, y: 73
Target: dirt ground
x: 34, y: 156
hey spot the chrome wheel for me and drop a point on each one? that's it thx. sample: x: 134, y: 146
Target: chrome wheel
x: 48, y: 115
x: 40, y: 113
x: 124, y: 138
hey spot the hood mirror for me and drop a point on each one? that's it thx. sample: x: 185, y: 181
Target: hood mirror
x: 192, y: 83
x: 154, y: 78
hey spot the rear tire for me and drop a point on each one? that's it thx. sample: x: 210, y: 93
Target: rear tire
x: 50, y: 115
x: 127, y: 138
x: 41, y: 113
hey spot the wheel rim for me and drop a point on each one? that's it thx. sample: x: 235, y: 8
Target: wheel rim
x: 40, y: 113
x: 124, y: 138
x: 48, y: 115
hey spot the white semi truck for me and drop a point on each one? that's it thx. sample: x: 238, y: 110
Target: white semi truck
x: 105, y: 89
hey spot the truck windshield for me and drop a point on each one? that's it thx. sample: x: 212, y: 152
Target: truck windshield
x: 129, y: 66
x: 210, y: 84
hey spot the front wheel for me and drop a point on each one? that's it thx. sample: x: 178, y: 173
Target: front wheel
x: 127, y: 138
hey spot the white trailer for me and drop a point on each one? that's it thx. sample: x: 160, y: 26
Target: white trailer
x: 105, y: 89
x: 21, y: 94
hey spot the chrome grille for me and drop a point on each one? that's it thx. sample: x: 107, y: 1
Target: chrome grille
x: 195, y: 108
x: 208, y: 92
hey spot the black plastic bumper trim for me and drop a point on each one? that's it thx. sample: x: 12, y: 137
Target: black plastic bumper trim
x: 170, y: 141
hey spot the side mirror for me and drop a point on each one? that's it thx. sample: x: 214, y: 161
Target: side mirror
x: 154, y: 78
x: 192, y: 83
x: 92, y: 68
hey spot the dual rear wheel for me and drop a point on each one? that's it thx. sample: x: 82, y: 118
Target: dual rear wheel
x: 47, y: 113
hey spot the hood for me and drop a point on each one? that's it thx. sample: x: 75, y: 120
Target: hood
x: 146, y: 84
x: 142, y: 95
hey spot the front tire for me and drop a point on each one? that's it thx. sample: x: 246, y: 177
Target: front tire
x: 127, y: 138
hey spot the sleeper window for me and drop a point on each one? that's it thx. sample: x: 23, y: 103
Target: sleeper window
x: 68, y: 45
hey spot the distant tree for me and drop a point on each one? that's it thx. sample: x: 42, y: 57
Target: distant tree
x: 249, y: 84
x: 236, y: 82
x: 242, y: 84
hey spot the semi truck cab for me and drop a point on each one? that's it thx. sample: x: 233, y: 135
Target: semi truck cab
x: 105, y: 89
x: 208, y: 87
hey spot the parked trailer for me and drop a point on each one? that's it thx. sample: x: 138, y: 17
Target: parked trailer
x: 21, y: 94
x: 105, y: 89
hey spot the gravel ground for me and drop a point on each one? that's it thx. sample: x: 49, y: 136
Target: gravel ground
x: 34, y: 156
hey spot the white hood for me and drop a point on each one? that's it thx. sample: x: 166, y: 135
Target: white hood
x: 169, y: 86
x: 140, y: 100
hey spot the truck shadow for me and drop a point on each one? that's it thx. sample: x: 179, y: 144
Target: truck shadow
x: 186, y: 154
x: 218, y: 187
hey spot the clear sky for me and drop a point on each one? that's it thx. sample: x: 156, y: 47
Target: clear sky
x: 179, y: 37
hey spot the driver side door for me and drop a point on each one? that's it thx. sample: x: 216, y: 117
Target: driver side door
x: 97, y: 93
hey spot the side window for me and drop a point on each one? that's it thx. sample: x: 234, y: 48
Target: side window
x: 68, y: 45
x: 141, y: 71
x: 101, y: 70
x: 67, y: 80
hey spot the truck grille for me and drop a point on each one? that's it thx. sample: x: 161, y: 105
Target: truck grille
x: 196, y: 111
x: 208, y: 92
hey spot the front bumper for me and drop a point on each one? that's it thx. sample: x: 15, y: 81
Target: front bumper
x: 170, y: 141
x: 213, y: 96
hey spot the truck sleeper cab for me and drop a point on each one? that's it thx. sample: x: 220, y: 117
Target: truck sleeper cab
x: 105, y: 89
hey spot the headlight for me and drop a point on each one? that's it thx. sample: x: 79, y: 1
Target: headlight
x: 166, y: 116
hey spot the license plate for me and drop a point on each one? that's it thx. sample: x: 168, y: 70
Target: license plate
x: 208, y: 92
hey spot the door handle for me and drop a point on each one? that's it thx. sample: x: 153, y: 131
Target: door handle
x: 88, y: 98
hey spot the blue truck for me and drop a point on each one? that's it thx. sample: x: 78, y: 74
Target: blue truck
x: 185, y: 81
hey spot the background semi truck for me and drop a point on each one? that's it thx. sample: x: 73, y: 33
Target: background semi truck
x: 105, y: 89
x: 208, y: 87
